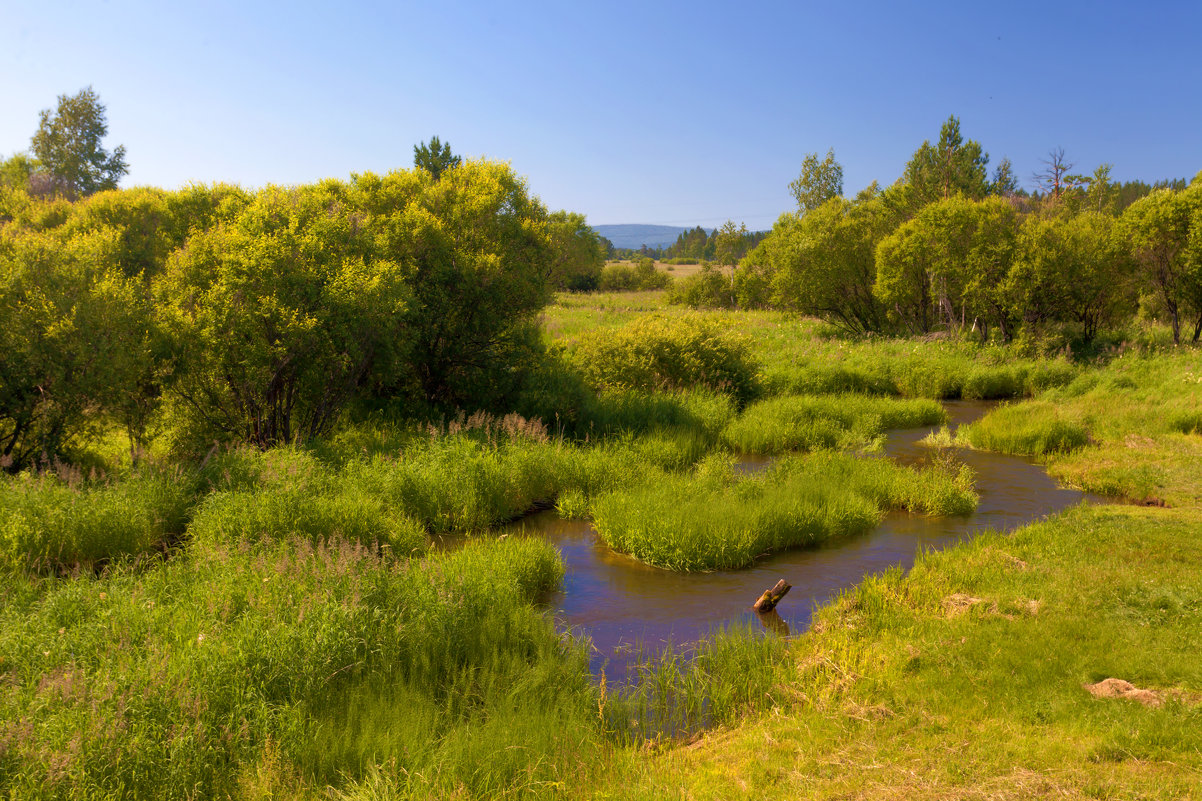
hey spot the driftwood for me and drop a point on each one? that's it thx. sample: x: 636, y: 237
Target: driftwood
x: 771, y: 598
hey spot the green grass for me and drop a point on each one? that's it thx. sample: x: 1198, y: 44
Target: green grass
x: 48, y: 523
x: 807, y: 423
x: 1036, y: 428
x: 171, y: 682
x: 714, y: 520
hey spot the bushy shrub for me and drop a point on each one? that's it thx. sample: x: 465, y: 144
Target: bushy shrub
x: 708, y: 289
x: 657, y: 353
x: 620, y: 277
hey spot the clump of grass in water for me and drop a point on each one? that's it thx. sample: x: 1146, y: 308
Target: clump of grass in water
x: 1035, y: 428
x: 813, y: 423
x: 714, y: 520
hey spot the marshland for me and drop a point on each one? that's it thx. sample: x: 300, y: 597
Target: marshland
x: 368, y: 489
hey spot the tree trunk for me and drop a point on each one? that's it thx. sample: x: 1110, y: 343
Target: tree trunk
x: 770, y: 598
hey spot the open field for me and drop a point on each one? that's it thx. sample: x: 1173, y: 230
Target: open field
x: 292, y: 623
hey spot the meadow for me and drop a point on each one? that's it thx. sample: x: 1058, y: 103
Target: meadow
x: 340, y: 619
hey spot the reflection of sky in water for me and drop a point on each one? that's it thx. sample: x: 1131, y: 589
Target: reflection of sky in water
x: 621, y: 603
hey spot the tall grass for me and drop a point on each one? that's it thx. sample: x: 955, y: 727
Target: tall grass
x: 1037, y: 428
x: 811, y: 423
x: 173, y: 682
x: 47, y: 522
x: 710, y: 521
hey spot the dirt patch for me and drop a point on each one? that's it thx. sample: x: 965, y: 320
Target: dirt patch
x: 1118, y: 688
x: 959, y: 603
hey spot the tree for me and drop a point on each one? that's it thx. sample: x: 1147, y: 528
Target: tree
x: 67, y: 145
x: 1073, y: 269
x: 823, y: 263
x: 435, y: 157
x: 579, y: 252
x: 819, y: 181
x: 953, y: 166
x: 1158, y: 230
x: 1054, y: 177
x: 1005, y: 183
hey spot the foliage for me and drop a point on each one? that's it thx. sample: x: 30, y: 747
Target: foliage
x: 950, y: 167
x: 67, y: 145
x: 1158, y: 229
x: 819, y: 182
x: 280, y: 316
x: 708, y: 289
x: 823, y: 264
x: 72, y: 331
x: 619, y: 277
x: 435, y: 157
x: 657, y: 352
x: 579, y: 254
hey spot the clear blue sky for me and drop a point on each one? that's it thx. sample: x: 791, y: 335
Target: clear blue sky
x: 649, y: 112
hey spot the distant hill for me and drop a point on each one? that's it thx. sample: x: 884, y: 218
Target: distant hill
x: 635, y: 236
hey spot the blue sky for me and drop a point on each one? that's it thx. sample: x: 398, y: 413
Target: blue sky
x: 668, y: 113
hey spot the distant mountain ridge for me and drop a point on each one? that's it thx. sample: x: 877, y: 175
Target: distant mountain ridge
x: 634, y: 236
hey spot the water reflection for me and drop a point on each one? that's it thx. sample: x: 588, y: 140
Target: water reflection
x: 620, y: 602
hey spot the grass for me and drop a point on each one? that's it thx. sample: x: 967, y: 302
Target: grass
x: 807, y: 423
x: 53, y: 522
x: 161, y: 683
x: 712, y: 520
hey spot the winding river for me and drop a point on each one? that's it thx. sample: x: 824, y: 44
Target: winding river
x: 625, y: 606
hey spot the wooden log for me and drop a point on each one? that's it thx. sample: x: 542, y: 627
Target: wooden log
x: 771, y: 598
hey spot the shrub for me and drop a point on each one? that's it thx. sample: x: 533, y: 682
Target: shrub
x: 708, y: 289
x: 658, y: 353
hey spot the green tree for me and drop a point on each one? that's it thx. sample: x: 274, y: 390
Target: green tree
x: 819, y: 181
x: 67, y: 145
x: 66, y: 315
x: 280, y: 316
x: 823, y: 263
x: 1073, y: 269
x: 948, y: 264
x: 1005, y: 183
x: 730, y: 243
x: 1158, y: 228
x: 435, y: 157
x: 953, y: 166
x: 477, y: 257
x: 579, y: 253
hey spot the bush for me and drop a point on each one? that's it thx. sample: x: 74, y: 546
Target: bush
x: 661, y: 353
x: 618, y: 277
x: 708, y: 289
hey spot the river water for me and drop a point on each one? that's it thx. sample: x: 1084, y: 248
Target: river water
x: 626, y: 607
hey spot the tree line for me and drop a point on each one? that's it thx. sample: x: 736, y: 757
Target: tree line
x: 949, y: 248
x: 217, y: 313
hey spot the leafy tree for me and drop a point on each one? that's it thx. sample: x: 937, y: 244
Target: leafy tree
x: 280, y: 316
x: 949, y: 264
x: 819, y: 181
x: 729, y: 243
x: 1071, y: 268
x: 67, y: 145
x: 1005, y: 183
x: 579, y: 253
x: 823, y: 264
x: 66, y: 319
x: 477, y: 255
x: 1158, y: 228
x: 953, y: 166
x: 435, y: 157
